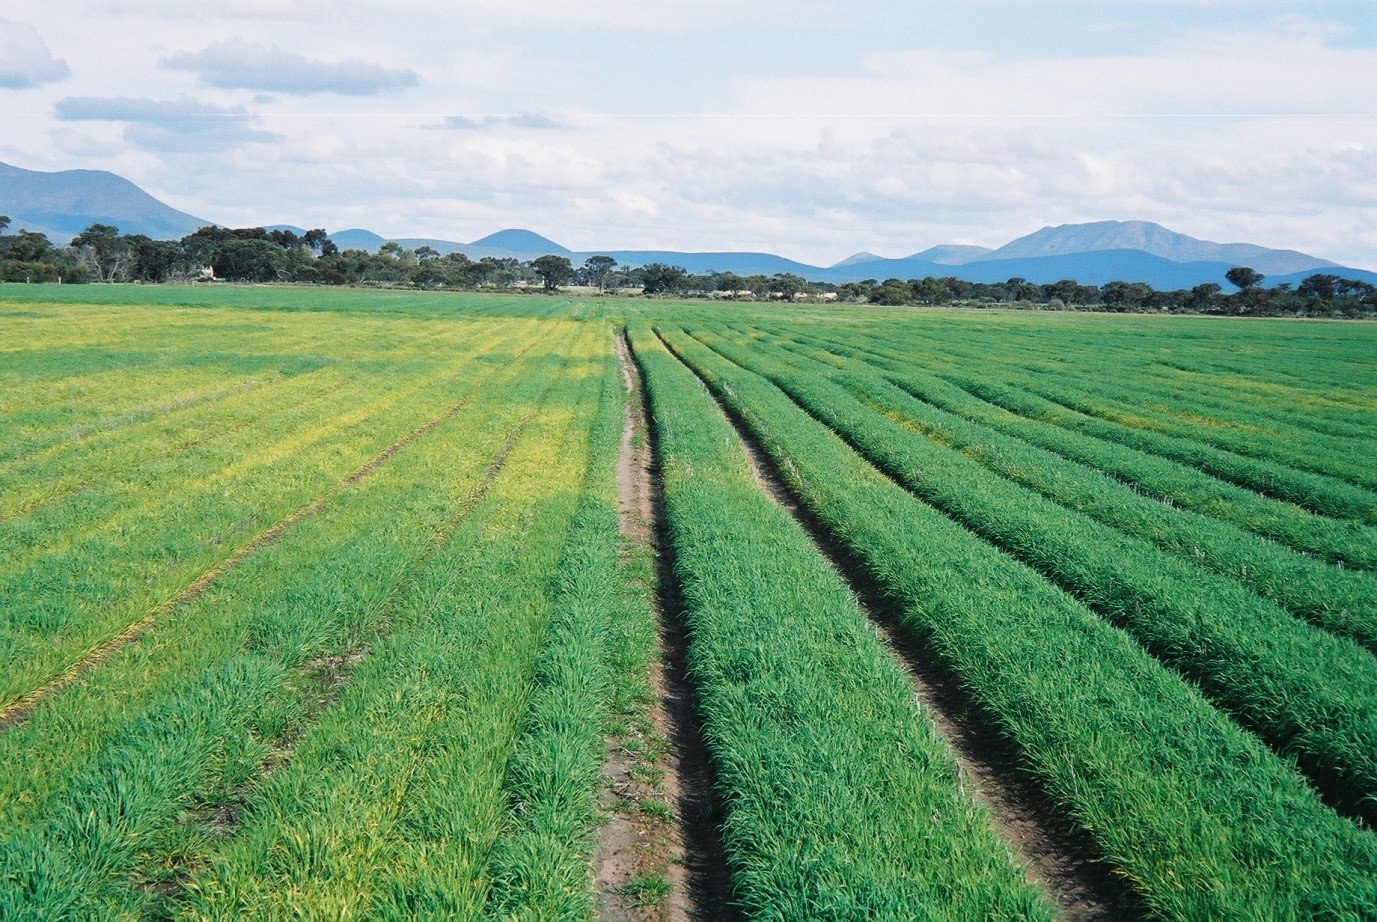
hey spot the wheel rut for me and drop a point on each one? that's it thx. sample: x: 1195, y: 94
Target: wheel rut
x: 1057, y: 857
x: 686, y: 851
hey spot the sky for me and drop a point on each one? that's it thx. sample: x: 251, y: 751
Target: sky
x: 807, y: 128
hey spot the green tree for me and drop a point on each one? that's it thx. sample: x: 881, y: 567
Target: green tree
x: 108, y: 254
x: 28, y: 246
x: 4, y: 222
x: 553, y: 270
x: 788, y: 285
x: 656, y: 278
x: 316, y: 238
x: 1244, y: 277
x: 893, y: 292
x: 1202, y: 296
x: 1320, y: 285
x: 596, y: 269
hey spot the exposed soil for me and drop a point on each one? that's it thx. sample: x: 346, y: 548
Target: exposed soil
x: 681, y: 846
x: 1059, y: 858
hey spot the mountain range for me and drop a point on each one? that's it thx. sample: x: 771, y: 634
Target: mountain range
x: 63, y: 204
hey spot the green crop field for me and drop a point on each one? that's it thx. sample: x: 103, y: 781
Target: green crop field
x: 351, y: 604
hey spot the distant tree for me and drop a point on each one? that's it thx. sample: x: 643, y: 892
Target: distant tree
x: 27, y: 246
x: 394, y: 250
x: 892, y: 292
x: 249, y: 260
x: 656, y: 278
x: 596, y: 269
x: 855, y: 291
x: 788, y: 284
x: 729, y: 282
x: 1322, y: 286
x: 316, y: 238
x: 1244, y: 277
x: 109, y: 255
x: 1202, y: 296
x: 4, y: 222
x: 286, y: 239
x: 553, y: 270
x: 426, y: 253
x: 1127, y: 296
x: 153, y: 260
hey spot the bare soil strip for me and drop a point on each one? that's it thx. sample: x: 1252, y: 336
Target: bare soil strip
x: 1058, y: 857
x: 18, y: 710
x: 636, y: 846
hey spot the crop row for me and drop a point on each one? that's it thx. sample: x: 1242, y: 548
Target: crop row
x: 1202, y: 819
x: 1154, y: 376
x: 1341, y: 601
x: 392, y: 807
x: 596, y: 648
x: 126, y: 779
x: 111, y: 556
x: 841, y: 800
x: 1035, y: 421
x: 1077, y: 410
x: 1311, y: 695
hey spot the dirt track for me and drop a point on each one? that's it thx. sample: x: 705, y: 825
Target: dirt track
x: 688, y: 851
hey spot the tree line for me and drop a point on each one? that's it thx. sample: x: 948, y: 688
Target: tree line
x: 102, y: 254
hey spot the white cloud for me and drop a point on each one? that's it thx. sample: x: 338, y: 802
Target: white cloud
x: 266, y: 10
x: 671, y: 16
x: 790, y: 140
x: 529, y: 120
x: 181, y: 125
x: 1284, y: 70
x: 25, y: 59
x: 239, y: 64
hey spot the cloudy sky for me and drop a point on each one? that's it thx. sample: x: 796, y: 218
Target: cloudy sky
x: 805, y: 127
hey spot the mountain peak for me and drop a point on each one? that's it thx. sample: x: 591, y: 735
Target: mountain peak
x: 1148, y: 237
x: 952, y: 254
x: 861, y: 257
x: 520, y: 240
x: 65, y: 203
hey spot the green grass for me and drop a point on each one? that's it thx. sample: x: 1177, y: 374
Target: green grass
x: 1195, y: 813
x: 647, y: 891
x: 1311, y: 695
x: 792, y: 679
x: 1058, y: 429
x: 1342, y: 601
x: 402, y: 706
x: 122, y: 774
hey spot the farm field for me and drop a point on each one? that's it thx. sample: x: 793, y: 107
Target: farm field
x: 376, y: 604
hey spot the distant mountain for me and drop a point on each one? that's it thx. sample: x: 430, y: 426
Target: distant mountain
x: 64, y: 204
x: 1147, y: 237
x: 520, y: 241
x: 856, y: 258
x: 952, y: 254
